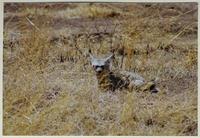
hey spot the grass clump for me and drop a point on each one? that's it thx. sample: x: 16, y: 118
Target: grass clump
x: 51, y: 89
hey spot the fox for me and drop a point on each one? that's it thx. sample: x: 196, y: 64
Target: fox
x: 118, y: 80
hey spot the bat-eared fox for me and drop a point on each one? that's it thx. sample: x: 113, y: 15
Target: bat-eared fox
x: 113, y: 80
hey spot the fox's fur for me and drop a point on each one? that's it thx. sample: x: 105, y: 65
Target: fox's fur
x: 112, y: 80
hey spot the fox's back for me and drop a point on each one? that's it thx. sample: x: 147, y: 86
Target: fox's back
x: 119, y: 79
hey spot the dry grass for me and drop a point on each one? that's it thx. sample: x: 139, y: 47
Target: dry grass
x: 50, y: 88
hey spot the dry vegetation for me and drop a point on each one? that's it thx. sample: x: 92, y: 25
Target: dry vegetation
x: 49, y: 87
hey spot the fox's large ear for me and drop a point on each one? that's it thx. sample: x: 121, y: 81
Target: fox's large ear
x: 109, y: 57
x: 90, y: 54
x: 91, y: 57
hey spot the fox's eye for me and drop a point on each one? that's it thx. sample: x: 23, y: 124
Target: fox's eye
x: 98, y: 67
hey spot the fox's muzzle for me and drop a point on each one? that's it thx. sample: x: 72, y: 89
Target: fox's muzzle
x: 99, y: 70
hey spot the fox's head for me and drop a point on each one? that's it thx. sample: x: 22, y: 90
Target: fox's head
x: 101, y: 65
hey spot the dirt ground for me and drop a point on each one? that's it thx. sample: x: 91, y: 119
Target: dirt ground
x: 49, y: 87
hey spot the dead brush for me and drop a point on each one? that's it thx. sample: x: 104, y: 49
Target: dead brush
x: 191, y: 59
x: 47, y: 91
x: 95, y: 11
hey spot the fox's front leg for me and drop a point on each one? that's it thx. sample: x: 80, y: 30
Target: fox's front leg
x: 149, y: 86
